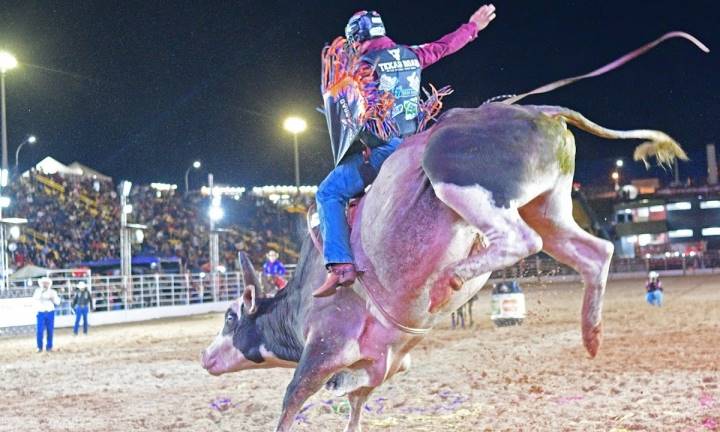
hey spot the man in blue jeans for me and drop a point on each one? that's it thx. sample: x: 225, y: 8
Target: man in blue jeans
x: 397, y: 71
x: 45, y: 299
x: 82, y: 303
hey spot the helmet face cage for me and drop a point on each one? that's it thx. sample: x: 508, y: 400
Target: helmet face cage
x: 364, y: 25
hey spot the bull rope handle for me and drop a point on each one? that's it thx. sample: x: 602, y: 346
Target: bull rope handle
x: 610, y: 66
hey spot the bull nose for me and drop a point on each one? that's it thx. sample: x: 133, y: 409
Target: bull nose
x: 206, y: 360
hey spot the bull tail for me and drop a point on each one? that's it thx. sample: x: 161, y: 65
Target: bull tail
x: 610, y: 66
x: 658, y: 144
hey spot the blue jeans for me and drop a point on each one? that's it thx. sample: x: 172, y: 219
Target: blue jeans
x: 80, y: 312
x: 342, y: 184
x: 654, y: 298
x: 45, y: 322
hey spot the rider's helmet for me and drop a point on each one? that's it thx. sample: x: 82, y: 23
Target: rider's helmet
x: 653, y: 275
x: 364, y: 25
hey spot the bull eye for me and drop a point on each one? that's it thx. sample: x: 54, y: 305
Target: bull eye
x: 230, y: 318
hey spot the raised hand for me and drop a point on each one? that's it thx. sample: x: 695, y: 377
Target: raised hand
x: 483, y: 16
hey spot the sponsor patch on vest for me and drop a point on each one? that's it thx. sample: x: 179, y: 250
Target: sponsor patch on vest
x: 397, y: 110
x: 400, y: 65
x: 395, y: 53
x: 411, y: 108
x: 404, y: 92
x: 387, y: 82
x: 414, y: 81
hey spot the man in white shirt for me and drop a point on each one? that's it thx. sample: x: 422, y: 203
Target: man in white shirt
x: 45, y: 299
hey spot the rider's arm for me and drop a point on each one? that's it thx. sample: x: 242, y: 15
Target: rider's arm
x: 452, y: 42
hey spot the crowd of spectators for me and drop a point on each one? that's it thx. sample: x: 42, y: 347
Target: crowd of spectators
x: 76, y: 219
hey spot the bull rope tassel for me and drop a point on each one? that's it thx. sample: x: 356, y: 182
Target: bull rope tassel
x: 610, y: 66
x: 432, y: 105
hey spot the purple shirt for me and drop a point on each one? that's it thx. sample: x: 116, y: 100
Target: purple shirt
x: 430, y: 53
x: 273, y: 268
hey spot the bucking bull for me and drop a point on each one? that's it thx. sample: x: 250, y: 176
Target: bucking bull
x: 482, y: 189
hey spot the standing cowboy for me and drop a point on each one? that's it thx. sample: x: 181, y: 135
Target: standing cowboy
x: 82, y: 303
x: 46, y: 299
x: 397, y: 70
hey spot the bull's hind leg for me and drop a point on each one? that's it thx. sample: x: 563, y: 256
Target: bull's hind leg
x: 509, y: 238
x: 551, y: 216
x: 357, y: 401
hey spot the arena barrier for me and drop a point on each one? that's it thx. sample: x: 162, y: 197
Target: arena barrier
x: 150, y: 297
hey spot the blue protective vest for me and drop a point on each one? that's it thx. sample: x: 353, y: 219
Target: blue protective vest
x: 398, y: 71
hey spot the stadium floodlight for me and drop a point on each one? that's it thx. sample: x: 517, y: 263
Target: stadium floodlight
x: 7, y: 61
x: 295, y: 125
x: 197, y: 164
x: 126, y: 186
x: 619, y: 163
x: 31, y: 139
x: 216, y: 213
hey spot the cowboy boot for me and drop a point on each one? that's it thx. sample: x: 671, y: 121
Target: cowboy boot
x: 338, y: 275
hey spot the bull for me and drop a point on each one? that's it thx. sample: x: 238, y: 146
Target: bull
x: 498, y: 176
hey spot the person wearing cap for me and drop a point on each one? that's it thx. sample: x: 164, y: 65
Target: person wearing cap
x: 81, y: 303
x: 46, y: 299
x: 654, y: 290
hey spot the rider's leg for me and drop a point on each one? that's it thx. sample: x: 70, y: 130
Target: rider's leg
x: 343, y: 183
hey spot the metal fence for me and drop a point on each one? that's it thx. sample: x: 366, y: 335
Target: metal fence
x: 161, y: 290
x: 146, y: 290
x: 542, y: 265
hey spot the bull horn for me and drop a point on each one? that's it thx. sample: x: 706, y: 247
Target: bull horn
x: 249, y: 299
x: 249, y: 275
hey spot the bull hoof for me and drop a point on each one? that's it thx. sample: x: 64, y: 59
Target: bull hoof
x: 592, y: 336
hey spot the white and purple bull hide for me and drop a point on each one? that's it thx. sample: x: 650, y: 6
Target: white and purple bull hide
x: 499, y: 173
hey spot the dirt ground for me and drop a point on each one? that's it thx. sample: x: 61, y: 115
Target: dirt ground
x: 658, y: 370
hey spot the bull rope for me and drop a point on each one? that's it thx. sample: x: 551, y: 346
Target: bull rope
x: 391, y: 319
x: 610, y: 66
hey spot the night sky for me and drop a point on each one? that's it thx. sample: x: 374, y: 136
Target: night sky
x: 138, y: 89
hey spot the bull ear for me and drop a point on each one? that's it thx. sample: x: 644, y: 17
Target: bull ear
x: 248, y: 299
x: 249, y: 275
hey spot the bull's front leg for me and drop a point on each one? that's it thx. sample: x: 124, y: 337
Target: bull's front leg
x: 321, y: 359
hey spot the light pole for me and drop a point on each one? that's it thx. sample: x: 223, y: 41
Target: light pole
x: 7, y: 62
x: 125, y: 248
x: 4, y: 224
x: 215, y: 214
x: 295, y: 125
x: 195, y: 165
x: 31, y: 139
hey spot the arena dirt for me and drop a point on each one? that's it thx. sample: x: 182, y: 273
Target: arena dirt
x: 658, y: 370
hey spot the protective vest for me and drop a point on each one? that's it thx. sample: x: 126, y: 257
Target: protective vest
x: 398, y: 72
